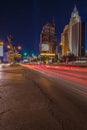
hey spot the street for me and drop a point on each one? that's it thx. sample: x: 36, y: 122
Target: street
x: 34, y: 97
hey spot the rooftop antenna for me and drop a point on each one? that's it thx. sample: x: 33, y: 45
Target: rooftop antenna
x: 75, y: 2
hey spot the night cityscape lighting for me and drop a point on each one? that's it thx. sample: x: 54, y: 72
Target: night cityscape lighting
x: 43, y: 65
x: 31, y: 27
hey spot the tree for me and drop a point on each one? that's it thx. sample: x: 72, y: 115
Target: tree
x: 13, y: 54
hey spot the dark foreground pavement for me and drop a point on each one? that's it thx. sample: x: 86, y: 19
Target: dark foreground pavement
x: 25, y: 106
x: 22, y: 106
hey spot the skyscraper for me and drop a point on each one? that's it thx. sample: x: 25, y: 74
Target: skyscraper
x: 76, y: 35
x: 75, y: 18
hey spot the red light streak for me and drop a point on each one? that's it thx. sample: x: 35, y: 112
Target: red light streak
x: 61, y: 71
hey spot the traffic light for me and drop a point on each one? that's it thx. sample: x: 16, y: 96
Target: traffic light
x: 32, y: 54
x: 25, y: 53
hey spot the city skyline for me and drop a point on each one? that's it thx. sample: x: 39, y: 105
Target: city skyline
x: 25, y: 20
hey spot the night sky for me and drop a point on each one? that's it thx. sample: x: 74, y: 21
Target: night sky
x: 24, y: 19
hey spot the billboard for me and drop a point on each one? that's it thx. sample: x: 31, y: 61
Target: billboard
x: 1, y: 50
x: 44, y: 47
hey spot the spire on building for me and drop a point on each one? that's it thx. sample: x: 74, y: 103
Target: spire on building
x: 75, y: 8
x: 75, y: 12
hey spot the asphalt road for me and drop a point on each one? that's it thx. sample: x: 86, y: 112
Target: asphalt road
x: 31, y: 100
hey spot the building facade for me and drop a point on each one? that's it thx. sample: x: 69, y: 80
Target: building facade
x: 48, y: 42
x: 65, y: 40
x: 48, y: 39
x: 75, y: 18
x: 76, y: 35
x: 78, y: 39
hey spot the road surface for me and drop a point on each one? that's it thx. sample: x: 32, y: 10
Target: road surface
x: 41, y: 98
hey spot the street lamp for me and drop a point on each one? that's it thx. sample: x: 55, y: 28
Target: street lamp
x: 19, y: 48
x: 8, y: 46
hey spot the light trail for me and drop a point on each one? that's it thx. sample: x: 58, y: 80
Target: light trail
x: 68, y: 68
x: 70, y: 73
x: 78, y: 78
x: 67, y: 75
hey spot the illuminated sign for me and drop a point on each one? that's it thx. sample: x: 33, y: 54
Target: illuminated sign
x: 47, y: 54
x: 1, y: 50
x: 44, y: 47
